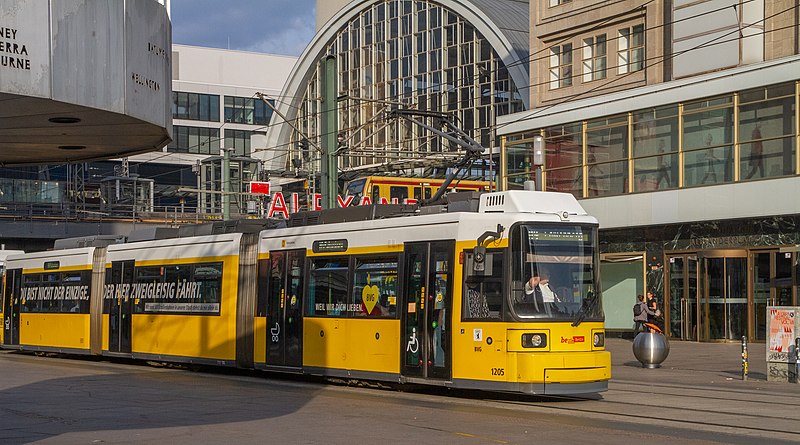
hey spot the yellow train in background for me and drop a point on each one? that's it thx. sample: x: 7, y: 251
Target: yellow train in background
x: 399, y: 189
x: 498, y: 291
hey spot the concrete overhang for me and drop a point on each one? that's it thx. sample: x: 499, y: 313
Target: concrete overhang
x: 83, y: 80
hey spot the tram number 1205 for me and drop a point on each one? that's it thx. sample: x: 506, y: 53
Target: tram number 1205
x: 498, y: 371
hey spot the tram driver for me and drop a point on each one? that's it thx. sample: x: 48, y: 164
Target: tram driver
x: 538, y: 288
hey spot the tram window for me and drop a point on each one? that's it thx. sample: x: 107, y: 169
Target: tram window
x: 376, y: 194
x: 176, y: 274
x: 375, y: 286
x: 356, y: 187
x: 400, y: 193
x: 149, y: 273
x: 209, y: 277
x: 483, y: 293
x: 76, y: 300
x: 56, y: 292
x: 417, y: 193
x: 178, y: 288
x: 48, y: 303
x: 29, y: 293
x: 327, y: 287
x: 428, y: 192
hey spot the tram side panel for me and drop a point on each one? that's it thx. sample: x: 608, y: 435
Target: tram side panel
x: 53, y: 296
x: 351, y: 322
x: 181, y: 296
x: 480, y: 344
x: 351, y: 302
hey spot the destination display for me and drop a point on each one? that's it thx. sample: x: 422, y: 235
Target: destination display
x: 332, y: 245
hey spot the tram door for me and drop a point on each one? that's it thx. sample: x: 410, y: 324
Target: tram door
x: 119, y: 307
x: 11, y: 307
x: 426, y: 315
x: 285, y: 309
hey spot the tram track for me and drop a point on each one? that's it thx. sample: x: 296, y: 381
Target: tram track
x: 737, y: 417
x: 754, y: 396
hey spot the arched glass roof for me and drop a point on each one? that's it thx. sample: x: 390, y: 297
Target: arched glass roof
x: 462, y: 58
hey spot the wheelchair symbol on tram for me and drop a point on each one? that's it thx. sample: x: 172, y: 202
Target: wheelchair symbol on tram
x: 275, y: 331
x: 413, y: 343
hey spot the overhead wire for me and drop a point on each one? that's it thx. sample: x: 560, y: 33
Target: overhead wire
x: 533, y: 57
x: 286, y: 147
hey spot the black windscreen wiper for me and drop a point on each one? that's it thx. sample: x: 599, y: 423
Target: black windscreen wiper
x: 591, y: 297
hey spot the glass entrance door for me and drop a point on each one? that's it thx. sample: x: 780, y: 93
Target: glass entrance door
x: 775, y: 277
x: 761, y: 292
x: 682, y: 288
x: 723, y: 297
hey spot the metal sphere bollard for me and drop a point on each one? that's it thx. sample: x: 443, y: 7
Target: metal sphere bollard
x: 651, y: 349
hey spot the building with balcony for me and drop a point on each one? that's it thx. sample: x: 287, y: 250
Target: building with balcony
x: 676, y: 124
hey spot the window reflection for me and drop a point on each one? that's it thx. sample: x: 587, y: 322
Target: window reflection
x: 766, y: 132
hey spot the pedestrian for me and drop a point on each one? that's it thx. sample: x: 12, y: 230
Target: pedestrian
x: 640, y: 315
x: 655, y: 317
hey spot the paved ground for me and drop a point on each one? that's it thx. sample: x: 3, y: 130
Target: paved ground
x: 696, y: 397
x: 690, y: 363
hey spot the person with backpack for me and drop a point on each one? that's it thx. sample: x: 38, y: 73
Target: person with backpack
x: 640, y: 313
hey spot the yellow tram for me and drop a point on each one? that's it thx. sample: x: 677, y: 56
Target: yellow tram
x: 495, y: 292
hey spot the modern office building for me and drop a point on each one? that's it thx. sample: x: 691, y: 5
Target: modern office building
x: 217, y: 113
x: 468, y: 59
x: 676, y: 124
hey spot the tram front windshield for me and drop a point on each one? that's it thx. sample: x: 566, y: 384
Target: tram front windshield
x: 555, y: 273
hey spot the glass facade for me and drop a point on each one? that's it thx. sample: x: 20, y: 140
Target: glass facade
x: 407, y: 54
x: 195, y: 106
x: 239, y: 141
x: 247, y: 110
x: 742, y: 136
x: 196, y: 140
x: 31, y: 191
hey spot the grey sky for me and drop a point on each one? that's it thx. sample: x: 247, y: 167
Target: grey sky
x: 267, y: 26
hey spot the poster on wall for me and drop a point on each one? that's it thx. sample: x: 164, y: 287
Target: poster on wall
x: 781, y: 325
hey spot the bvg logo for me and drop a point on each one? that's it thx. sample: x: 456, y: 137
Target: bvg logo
x: 573, y: 340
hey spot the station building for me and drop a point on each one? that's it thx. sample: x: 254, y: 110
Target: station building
x: 465, y: 58
x: 676, y: 124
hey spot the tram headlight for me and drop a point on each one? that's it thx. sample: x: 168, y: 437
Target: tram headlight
x: 537, y: 340
x: 598, y: 339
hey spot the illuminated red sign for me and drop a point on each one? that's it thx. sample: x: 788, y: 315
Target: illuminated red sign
x: 259, y: 187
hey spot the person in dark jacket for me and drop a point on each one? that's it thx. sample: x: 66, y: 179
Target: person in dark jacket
x: 643, y: 316
x: 654, y: 316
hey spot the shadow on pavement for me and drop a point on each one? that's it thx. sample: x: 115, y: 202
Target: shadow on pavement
x: 122, y: 399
